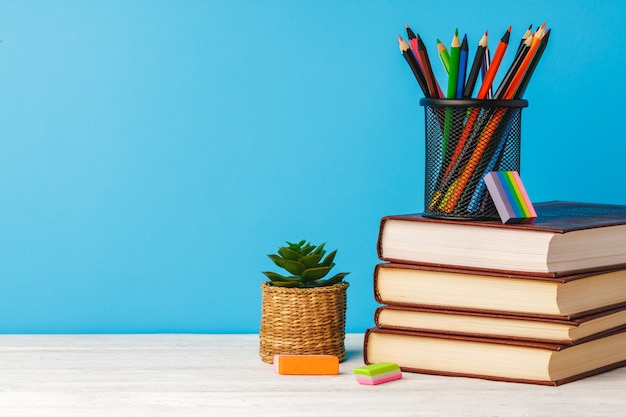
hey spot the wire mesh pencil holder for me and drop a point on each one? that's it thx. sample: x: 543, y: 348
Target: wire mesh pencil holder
x: 465, y: 140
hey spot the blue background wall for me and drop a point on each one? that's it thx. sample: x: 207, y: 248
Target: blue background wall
x: 154, y: 151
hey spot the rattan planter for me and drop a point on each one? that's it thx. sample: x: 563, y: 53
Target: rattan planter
x: 303, y: 321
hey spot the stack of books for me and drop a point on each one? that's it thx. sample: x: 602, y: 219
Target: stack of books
x: 541, y: 303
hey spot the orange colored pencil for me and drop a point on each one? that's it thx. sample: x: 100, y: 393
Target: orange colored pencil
x: 517, y: 79
x: 533, y: 65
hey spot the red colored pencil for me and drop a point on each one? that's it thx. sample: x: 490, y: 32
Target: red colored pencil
x: 433, y: 85
x: 495, y: 63
x: 413, y: 42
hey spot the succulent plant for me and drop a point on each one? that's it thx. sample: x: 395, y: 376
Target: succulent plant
x: 306, y: 265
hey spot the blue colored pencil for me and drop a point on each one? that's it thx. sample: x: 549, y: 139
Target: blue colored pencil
x: 462, y: 68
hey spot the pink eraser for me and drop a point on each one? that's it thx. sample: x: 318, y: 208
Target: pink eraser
x: 378, y: 373
x: 381, y: 379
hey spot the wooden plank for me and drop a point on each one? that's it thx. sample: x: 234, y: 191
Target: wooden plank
x: 222, y: 375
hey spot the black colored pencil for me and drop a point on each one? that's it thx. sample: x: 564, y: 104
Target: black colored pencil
x: 478, y: 60
x: 517, y: 61
x: 524, y: 38
x: 533, y: 64
x: 409, y: 32
x: 412, y: 37
x: 409, y: 56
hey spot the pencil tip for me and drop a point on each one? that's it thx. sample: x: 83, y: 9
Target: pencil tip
x: 406, y: 25
x: 509, y: 29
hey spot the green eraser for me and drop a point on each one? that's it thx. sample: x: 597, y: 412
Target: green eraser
x: 376, y: 369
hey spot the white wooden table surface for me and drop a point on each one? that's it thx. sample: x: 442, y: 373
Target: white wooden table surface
x: 222, y: 375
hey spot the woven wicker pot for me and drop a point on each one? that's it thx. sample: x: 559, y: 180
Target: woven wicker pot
x: 303, y: 321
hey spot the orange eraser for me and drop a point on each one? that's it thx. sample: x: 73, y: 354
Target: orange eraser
x: 306, y: 364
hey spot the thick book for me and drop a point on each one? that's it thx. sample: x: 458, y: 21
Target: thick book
x: 564, y: 297
x: 565, y: 237
x: 502, y: 326
x: 495, y: 359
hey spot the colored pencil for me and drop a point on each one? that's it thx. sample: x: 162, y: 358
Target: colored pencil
x: 408, y: 55
x: 531, y: 69
x: 442, y: 51
x: 431, y: 81
x: 517, y: 62
x: 525, y: 36
x: 478, y: 60
x: 517, y: 79
x: 484, y: 68
x: 455, y: 51
x: 460, y: 83
x: 495, y: 63
x: 453, y: 73
x: 412, y: 37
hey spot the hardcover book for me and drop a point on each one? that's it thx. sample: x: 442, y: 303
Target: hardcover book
x: 565, y: 237
x: 503, y: 326
x: 496, y: 359
x: 565, y: 297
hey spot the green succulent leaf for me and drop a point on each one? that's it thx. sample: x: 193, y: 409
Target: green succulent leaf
x: 328, y: 260
x: 276, y: 259
x: 330, y: 281
x: 336, y: 278
x: 320, y: 249
x: 288, y: 253
x: 308, y: 265
x: 311, y: 261
x: 294, y: 267
x: 273, y: 276
x: 315, y: 273
x: 307, y: 249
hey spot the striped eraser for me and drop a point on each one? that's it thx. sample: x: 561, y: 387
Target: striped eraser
x: 510, y: 197
x: 306, y: 364
x: 377, y: 373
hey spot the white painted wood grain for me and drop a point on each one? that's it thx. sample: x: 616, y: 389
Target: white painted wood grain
x: 222, y: 375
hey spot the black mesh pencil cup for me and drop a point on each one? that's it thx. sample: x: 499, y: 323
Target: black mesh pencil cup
x: 465, y: 140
